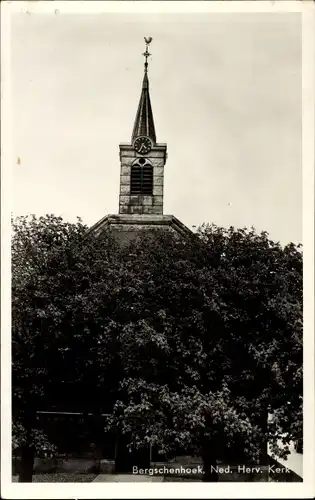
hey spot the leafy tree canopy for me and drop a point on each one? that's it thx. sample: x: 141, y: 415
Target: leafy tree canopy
x: 187, y: 343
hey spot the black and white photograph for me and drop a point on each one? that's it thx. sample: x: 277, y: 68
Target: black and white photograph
x: 157, y: 199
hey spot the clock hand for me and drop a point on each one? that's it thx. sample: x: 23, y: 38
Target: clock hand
x: 142, y: 148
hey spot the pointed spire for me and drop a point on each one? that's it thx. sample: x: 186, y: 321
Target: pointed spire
x: 144, y: 123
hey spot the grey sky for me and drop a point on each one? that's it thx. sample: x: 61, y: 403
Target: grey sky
x: 226, y: 97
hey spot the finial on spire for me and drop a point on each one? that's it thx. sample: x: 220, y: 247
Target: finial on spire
x: 146, y: 54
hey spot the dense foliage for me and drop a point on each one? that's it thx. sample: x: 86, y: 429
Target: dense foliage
x: 188, y: 344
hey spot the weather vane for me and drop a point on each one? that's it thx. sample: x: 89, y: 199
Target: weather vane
x: 146, y: 54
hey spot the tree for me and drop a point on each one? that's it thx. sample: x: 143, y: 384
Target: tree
x: 36, y: 243
x: 54, y: 341
x: 220, y: 319
x: 188, y: 343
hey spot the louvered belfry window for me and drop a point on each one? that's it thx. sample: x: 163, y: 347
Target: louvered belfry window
x: 141, y: 181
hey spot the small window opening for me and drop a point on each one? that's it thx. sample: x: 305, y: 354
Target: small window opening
x: 141, y: 181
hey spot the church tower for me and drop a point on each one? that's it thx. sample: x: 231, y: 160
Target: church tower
x: 142, y: 162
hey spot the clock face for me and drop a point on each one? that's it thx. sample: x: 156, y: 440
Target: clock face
x: 143, y: 145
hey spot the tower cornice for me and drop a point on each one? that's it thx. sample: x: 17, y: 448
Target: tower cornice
x: 126, y: 149
x: 129, y: 145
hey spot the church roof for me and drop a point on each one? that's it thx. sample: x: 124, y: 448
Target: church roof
x: 144, y: 123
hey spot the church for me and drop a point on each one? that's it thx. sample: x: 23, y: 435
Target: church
x: 142, y: 163
x: 141, y: 195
